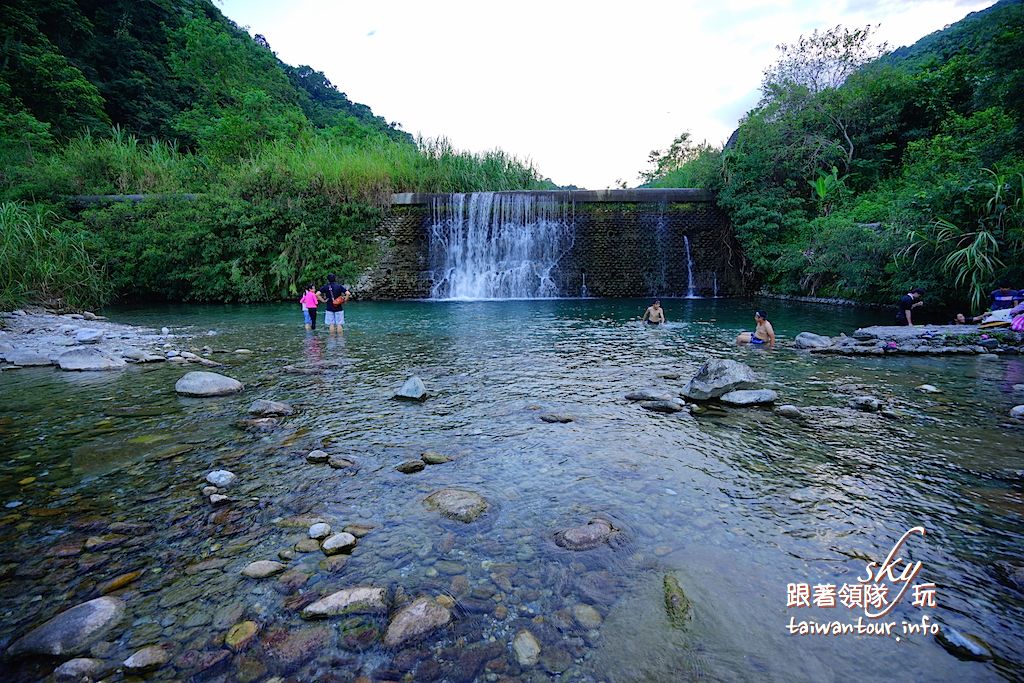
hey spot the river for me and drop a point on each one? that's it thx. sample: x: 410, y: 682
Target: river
x: 734, y: 503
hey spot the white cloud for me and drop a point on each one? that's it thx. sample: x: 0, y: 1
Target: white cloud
x: 585, y: 90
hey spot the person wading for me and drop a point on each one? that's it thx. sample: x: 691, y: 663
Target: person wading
x: 334, y: 297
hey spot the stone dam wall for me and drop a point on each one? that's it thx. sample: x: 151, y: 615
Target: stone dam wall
x: 627, y: 243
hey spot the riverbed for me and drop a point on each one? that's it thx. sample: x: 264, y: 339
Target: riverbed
x: 102, y: 474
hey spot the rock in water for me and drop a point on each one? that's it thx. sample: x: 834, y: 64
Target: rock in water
x: 677, y: 605
x: 320, y: 530
x: 790, y: 411
x: 928, y: 389
x: 669, y: 406
x: 261, y: 569
x: 338, y: 543
x: 411, y: 466
x: 586, y: 537
x: 265, y: 408
x: 749, y: 397
x: 201, y: 383
x: 417, y: 619
x: 357, y: 600
x: 717, y: 377
x: 27, y: 359
x: 556, y: 418
x: 809, y: 340
x: 649, y: 395
x: 88, y: 359
x: 963, y: 645
x: 240, y: 635
x: 79, y: 669
x: 146, y: 659
x: 72, y: 631
x: 221, y: 478
x: 88, y: 336
x: 868, y: 404
x: 458, y: 504
x: 412, y: 390
x: 526, y: 647
x: 317, y: 456
x: 1017, y: 412
x: 434, y: 458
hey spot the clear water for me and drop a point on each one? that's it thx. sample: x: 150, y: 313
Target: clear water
x: 734, y: 503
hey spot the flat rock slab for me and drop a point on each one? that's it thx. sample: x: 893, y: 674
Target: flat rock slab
x: 27, y: 359
x: 357, y: 600
x: 809, y: 340
x: 88, y: 360
x: 719, y: 376
x: 88, y: 336
x: 556, y: 418
x: 201, y: 384
x: 586, y: 537
x: 668, y: 406
x: 420, y: 617
x: 412, y: 390
x: 72, y: 631
x: 265, y: 408
x: 649, y: 395
x: 749, y: 397
x: 457, y: 504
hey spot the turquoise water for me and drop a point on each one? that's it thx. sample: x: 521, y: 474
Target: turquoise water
x: 735, y: 503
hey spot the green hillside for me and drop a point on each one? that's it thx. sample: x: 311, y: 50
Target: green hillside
x: 905, y: 172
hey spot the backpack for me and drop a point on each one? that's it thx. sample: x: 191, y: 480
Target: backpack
x: 337, y: 300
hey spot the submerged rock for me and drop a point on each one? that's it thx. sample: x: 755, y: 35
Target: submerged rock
x: 411, y: 466
x: 749, y: 397
x: 146, y: 659
x: 790, y: 411
x: 221, y: 478
x: 420, y: 617
x: 357, y: 600
x: 72, y: 631
x: 317, y: 456
x: 668, y: 406
x: 719, y: 376
x: 432, y: 458
x: 809, y: 340
x: 458, y: 504
x: 526, y: 648
x: 868, y: 404
x: 339, y: 463
x: 264, y: 408
x: 963, y: 645
x: 649, y: 395
x: 412, y: 390
x: 320, y: 530
x: 677, y: 605
x: 928, y: 389
x: 262, y: 569
x: 88, y: 360
x: 1017, y: 412
x: 79, y: 669
x: 556, y: 418
x: 586, y: 616
x: 591, y: 535
x: 338, y: 543
x: 240, y: 635
x: 201, y: 383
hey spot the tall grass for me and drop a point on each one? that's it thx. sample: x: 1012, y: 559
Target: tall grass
x: 42, y: 264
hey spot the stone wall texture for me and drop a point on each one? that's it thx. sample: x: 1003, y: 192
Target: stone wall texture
x: 621, y: 249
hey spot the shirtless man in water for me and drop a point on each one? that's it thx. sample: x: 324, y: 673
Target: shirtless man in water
x: 764, y: 333
x: 654, y: 315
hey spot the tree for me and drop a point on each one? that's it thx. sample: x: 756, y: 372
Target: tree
x: 679, y: 153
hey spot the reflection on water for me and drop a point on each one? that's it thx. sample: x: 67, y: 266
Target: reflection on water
x: 735, y: 503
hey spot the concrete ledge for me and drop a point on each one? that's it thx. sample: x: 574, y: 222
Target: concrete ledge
x: 646, y: 195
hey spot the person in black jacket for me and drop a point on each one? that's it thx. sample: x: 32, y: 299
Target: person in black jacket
x: 334, y: 297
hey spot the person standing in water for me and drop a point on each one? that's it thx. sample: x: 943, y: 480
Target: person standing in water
x: 763, y: 333
x: 309, y: 303
x: 655, y: 314
x: 905, y: 308
x: 334, y: 296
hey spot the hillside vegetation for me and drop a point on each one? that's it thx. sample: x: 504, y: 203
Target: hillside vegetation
x: 861, y: 174
x: 268, y: 175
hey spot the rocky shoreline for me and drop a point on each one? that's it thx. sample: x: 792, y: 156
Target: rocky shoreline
x: 885, y: 340
x: 89, y: 342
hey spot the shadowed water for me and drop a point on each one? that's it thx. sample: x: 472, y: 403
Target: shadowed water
x: 734, y: 503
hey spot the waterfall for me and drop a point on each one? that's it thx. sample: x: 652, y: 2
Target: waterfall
x: 584, y: 292
x: 715, y: 290
x: 490, y: 245
x: 690, y: 294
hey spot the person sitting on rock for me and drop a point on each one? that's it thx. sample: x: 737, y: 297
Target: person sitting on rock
x: 655, y: 314
x: 763, y: 333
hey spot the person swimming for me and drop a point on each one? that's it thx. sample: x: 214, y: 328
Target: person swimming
x: 763, y: 332
x: 655, y: 314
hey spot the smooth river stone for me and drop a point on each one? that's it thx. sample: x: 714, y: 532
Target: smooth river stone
x: 749, y: 397
x: 265, y: 408
x: 87, y: 360
x: 357, y: 600
x: 586, y: 616
x: 527, y: 648
x: 585, y: 537
x: 670, y: 406
x: 420, y: 617
x: 963, y: 645
x: 457, y: 504
x: 320, y: 530
x: 221, y: 478
x: 317, y: 457
x: 411, y: 466
x: 338, y: 543
x: 146, y: 659
x: 433, y: 458
x: 649, y: 395
x: 240, y: 635
x: 78, y: 669
x: 1017, y: 412
x: 262, y: 569
x: 72, y: 631
x: 200, y: 383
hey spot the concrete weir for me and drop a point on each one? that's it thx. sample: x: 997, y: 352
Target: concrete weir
x: 570, y: 243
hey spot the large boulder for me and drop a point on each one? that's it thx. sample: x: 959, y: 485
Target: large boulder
x: 27, y: 358
x: 719, y: 376
x: 809, y: 340
x: 88, y: 359
x: 200, y: 383
x: 412, y: 390
x: 72, y: 631
x: 358, y: 600
x: 749, y: 397
x: 420, y: 617
x: 458, y: 504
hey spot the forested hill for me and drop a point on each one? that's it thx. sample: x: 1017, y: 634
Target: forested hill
x: 863, y: 173
x: 158, y: 68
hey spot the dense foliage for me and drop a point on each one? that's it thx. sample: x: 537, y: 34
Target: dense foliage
x: 885, y: 174
x: 267, y: 175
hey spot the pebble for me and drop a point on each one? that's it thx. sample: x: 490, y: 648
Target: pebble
x: 527, y: 648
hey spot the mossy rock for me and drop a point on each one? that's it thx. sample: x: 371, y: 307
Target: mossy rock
x: 677, y: 605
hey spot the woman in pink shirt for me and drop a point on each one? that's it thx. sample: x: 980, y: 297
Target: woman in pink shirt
x: 309, y: 302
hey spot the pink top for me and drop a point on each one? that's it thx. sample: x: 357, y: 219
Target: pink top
x: 308, y: 300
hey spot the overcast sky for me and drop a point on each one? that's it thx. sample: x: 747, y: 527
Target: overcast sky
x: 585, y: 90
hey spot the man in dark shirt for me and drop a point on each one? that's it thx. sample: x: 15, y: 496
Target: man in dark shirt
x: 1004, y: 297
x: 334, y: 318
x: 908, y: 302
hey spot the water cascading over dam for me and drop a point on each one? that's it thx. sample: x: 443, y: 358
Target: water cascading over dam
x: 545, y: 244
x: 498, y: 246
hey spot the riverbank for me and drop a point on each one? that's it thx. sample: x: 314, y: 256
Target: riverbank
x: 88, y: 342
x: 884, y: 340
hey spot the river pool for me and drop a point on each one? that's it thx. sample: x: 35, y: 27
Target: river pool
x: 735, y: 503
